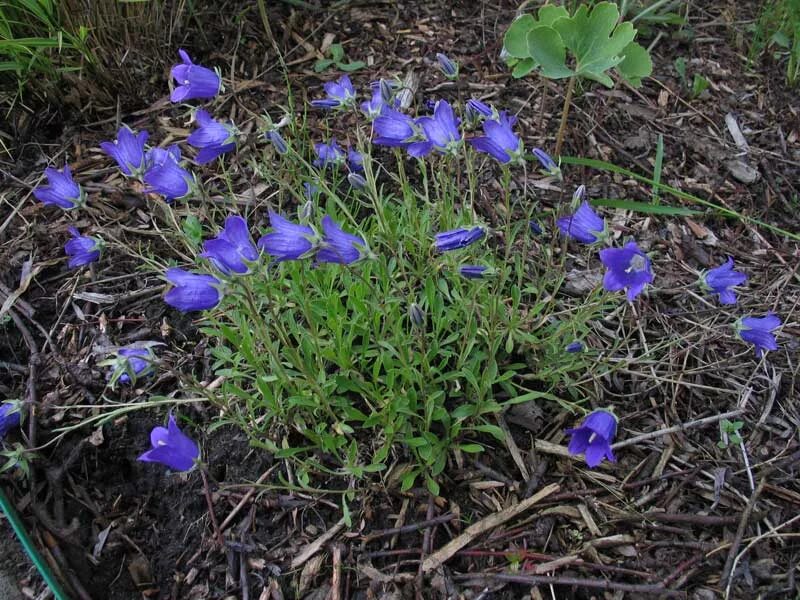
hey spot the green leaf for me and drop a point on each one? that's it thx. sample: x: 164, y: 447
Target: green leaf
x: 699, y: 85
x: 322, y: 64
x: 337, y: 52
x: 516, y: 39
x: 433, y: 487
x: 644, y: 207
x: 193, y: 230
x: 523, y: 67
x: 636, y: 64
x: 547, y: 48
x: 352, y: 66
x: 471, y: 448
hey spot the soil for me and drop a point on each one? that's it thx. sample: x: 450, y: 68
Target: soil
x: 661, y: 520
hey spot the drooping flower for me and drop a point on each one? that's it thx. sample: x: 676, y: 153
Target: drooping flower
x: 287, y: 240
x: 276, y: 139
x: 61, y: 191
x: 194, y: 81
x: 171, y: 447
x: 416, y: 315
x: 164, y: 174
x: 337, y: 245
x: 456, y: 239
x: 585, y: 225
x: 721, y: 280
x: 628, y: 267
x: 341, y: 94
x: 192, y: 291
x: 232, y: 249
x: 478, y: 111
x: 82, y: 249
x: 128, y: 151
x: 328, y: 155
x: 9, y: 417
x: 211, y: 137
x: 357, y: 180
x: 473, y: 271
x: 499, y: 140
x: 548, y: 164
x: 394, y: 129
x: 441, y: 131
x: 594, y: 437
x: 758, y: 331
x: 448, y: 67
x: 355, y: 160
x: 574, y: 347
x: 132, y: 363
x: 382, y: 97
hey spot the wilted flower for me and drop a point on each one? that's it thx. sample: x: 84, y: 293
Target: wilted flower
x: 441, y: 131
x: 82, y: 249
x: 548, y: 164
x: 394, y: 129
x: 232, y: 249
x: 585, y: 225
x: 340, y: 94
x: 628, y: 267
x: 330, y: 154
x: 287, y: 240
x: 193, y: 80
x: 338, y: 246
x: 594, y: 437
x: 171, y: 447
x: 128, y: 151
x: 212, y: 137
x: 573, y: 347
x: 457, y: 238
x: 722, y: 280
x: 164, y: 174
x: 448, y: 67
x: 277, y: 141
x: 473, y: 271
x: 61, y: 191
x: 758, y: 331
x: 9, y: 417
x: 192, y: 291
x: 416, y: 315
x: 500, y: 140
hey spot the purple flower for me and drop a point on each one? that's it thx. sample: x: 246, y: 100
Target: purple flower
x: 277, y: 141
x: 82, y: 249
x: 382, y: 97
x: 758, y: 331
x: 472, y: 271
x: 133, y: 363
x: 340, y: 94
x: 585, y: 225
x: 456, y: 239
x: 232, y: 249
x: 355, y: 160
x: 287, y: 241
x: 330, y: 154
x: 128, y: 151
x: 193, y: 80
x: 441, y: 131
x: 722, y: 280
x: 448, y: 67
x: 536, y: 229
x: 357, y: 180
x: 548, y: 164
x: 192, y: 291
x: 9, y: 418
x: 394, y: 129
x: 477, y: 111
x: 310, y: 190
x: 164, y: 174
x: 212, y: 137
x: 628, y: 267
x: 500, y: 140
x: 171, y: 447
x: 338, y: 246
x: 594, y: 437
x: 574, y: 347
x: 61, y: 191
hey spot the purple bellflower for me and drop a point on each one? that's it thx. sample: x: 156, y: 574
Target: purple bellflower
x: 287, y: 240
x: 456, y: 239
x: 171, y: 447
x: 574, y: 347
x: 131, y: 363
x: 328, y: 155
x: 382, y: 97
x: 310, y: 190
x: 628, y: 267
x: 61, y: 191
x: 394, y: 129
x: 594, y: 437
x: 232, y: 249
x: 164, y: 174
x: 276, y: 139
x: 128, y: 151
x: 536, y: 228
x: 192, y: 291
x: 357, y: 180
x: 82, y: 249
x: 548, y: 164
x: 9, y: 418
x: 585, y: 225
x: 449, y: 67
x: 758, y: 331
x: 193, y: 80
x: 499, y: 140
x: 441, y: 132
x: 340, y: 94
x: 211, y: 137
x: 473, y: 271
x: 338, y: 246
x: 477, y: 111
x: 721, y: 280
x: 355, y: 160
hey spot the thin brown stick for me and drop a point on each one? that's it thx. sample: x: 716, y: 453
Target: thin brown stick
x: 564, y: 113
x: 737, y: 540
x: 226, y: 523
x: 675, y: 428
x: 374, y: 535
x: 601, y: 584
x: 212, y: 516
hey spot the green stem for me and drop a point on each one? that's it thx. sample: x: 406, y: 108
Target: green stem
x: 564, y: 113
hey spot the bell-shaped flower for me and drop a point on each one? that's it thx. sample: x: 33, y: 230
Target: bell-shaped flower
x: 585, y: 225
x: 456, y: 239
x: 164, y: 174
x: 171, y: 447
x: 233, y: 249
x: 441, y: 132
x: 193, y: 81
x: 449, y: 67
x: 128, y: 151
x: 192, y: 291
x: 328, y: 155
x: 82, y: 249
x: 276, y: 139
x: 355, y: 160
x: 574, y: 347
x: 287, y: 240
x: 341, y: 94
x: 628, y: 268
x: 477, y: 111
x: 499, y: 140
x: 211, y: 137
x: 338, y: 246
x: 61, y: 191
x: 382, y: 97
x: 474, y: 271
x: 9, y: 417
x: 394, y: 129
x: 131, y: 363
x: 758, y: 331
x: 721, y: 280
x: 549, y: 166
x: 535, y: 227
x: 594, y: 437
